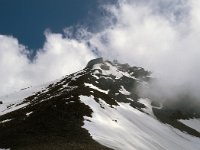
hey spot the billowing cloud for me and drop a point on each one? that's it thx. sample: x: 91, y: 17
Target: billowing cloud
x: 160, y: 35
x: 59, y: 56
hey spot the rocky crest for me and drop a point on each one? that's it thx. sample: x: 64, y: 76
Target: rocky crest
x: 53, y: 118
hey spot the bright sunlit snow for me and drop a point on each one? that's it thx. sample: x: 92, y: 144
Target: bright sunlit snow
x: 11, y: 101
x: 124, y: 91
x: 193, y: 123
x: 112, y: 71
x: 125, y: 128
x: 96, y: 88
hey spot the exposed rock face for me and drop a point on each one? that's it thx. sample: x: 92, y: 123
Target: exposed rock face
x: 54, y: 118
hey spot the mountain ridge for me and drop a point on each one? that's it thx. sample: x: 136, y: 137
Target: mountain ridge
x: 72, y: 113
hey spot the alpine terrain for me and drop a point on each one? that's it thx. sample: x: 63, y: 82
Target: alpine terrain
x: 98, y: 108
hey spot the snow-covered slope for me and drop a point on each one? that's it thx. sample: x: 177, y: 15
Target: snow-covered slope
x: 11, y: 101
x: 97, y: 108
x: 193, y: 123
x: 124, y: 127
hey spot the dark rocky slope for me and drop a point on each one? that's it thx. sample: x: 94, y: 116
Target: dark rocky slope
x: 57, y: 114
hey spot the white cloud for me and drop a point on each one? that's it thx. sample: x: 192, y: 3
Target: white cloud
x: 160, y: 35
x: 59, y: 56
x: 12, y: 62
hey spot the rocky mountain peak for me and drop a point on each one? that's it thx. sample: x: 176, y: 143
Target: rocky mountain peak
x: 97, y: 108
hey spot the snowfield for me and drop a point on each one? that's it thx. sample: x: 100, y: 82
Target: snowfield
x: 130, y: 125
x: 125, y: 128
x: 11, y: 101
x: 193, y: 123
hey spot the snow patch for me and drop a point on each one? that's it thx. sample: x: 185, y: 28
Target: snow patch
x: 96, y: 88
x: 4, y: 109
x: 13, y: 101
x: 69, y: 102
x: 113, y: 70
x: 124, y: 91
x: 130, y: 99
x: 192, y: 123
x: 125, y: 128
x: 148, y: 108
x: 7, y: 120
x: 28, y: 114
x: 95, y: 76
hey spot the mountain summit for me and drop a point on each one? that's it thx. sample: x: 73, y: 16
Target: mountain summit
x: 97, y: 108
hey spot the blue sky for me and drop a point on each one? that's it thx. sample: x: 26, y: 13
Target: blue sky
x: 160, y: 35
x: 28, y: 19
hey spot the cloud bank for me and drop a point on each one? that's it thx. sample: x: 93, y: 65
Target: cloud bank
x: 160, y: 35
x: 59, y: 56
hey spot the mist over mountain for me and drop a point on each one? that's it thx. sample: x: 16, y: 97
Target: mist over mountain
x: 99, y: 107
x: 159, y: 35
x: 127, y: 79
